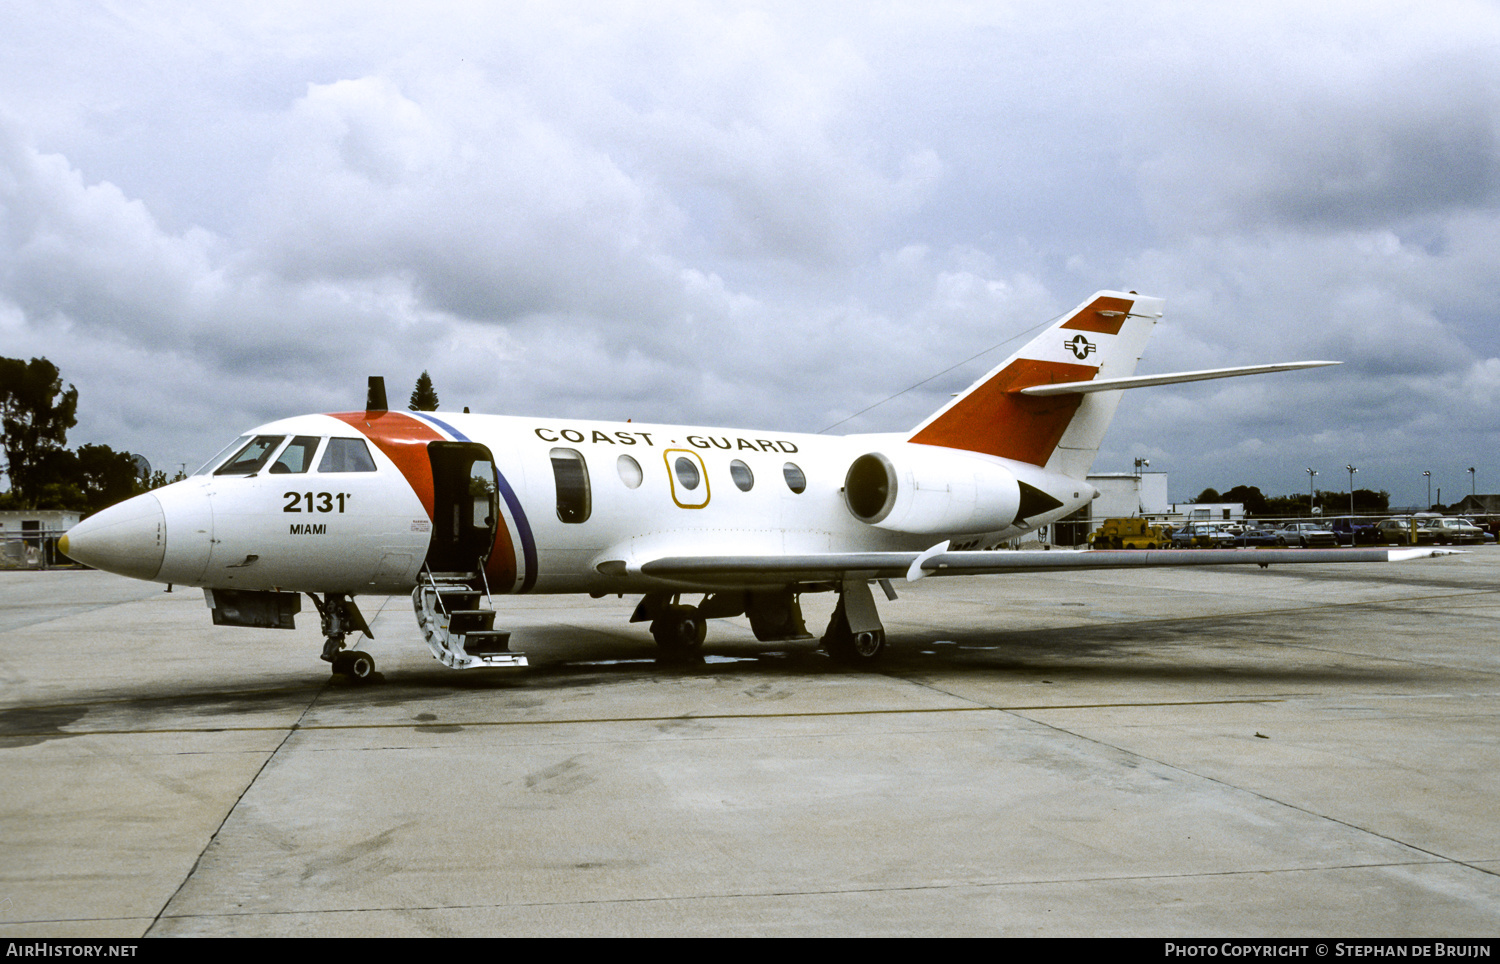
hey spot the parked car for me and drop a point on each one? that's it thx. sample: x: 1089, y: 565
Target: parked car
x: 1261, y: 537
x: 1201, y: 535
x: 1308, y: 535
x: 1400, y: 531
x: 1490, y: 526
x: 1455, y: 531
x: 1353, y: 532
x: 1486, y: 529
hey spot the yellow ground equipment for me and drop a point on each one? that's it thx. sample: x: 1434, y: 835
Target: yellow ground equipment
x: 1129, y: 534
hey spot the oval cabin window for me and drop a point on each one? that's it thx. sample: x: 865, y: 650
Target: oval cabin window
x: 630, y: 471
x: 743, y: 478
x: 795, y: 480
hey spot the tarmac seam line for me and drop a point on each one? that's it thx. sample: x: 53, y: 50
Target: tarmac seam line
x: 1272, y: 800
x: 828, y: 891
x: 584, y: 721
x: 249, y: 784
x: 1215, y: 780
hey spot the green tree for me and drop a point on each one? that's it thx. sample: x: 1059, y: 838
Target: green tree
x: 35, y: 415
x: 105, y: 476
x: 423, y: 397
x: 1366, y: 501
x: 1250, y: 496
x: 1208, y: 495
x: 159, y: 479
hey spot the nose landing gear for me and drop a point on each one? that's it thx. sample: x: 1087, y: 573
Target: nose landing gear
x: 339, y: 616
x: 358, y: 665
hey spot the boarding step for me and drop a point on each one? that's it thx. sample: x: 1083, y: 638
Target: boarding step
x: 459, y: 630
x: 487, y: 642
x: 462, y: 622
x: 457, y: 598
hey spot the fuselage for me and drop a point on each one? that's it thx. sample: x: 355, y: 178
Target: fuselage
x: 359, y: 502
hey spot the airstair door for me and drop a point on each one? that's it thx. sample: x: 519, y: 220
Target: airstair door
x: 465, y: 506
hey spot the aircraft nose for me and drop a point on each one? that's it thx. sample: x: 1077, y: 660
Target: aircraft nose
x: 129, y: 539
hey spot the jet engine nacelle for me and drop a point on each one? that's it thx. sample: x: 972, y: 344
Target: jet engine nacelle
x: 927, y: 490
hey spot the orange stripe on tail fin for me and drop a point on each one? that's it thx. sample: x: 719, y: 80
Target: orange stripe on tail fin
x: 1104, y: 315
x: 1100, y: 338
x: 1031, y: 430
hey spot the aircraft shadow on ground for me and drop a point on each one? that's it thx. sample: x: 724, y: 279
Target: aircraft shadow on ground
x: 1245, y: 649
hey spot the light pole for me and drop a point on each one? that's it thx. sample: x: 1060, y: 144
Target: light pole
x: 1471, y: 480
x: 1428, y: 477
x: 1146, y: 463
x: 1311, y: 495
x: 1352, y: 470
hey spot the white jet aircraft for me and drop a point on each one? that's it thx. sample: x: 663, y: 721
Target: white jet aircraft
x: 456, y: 508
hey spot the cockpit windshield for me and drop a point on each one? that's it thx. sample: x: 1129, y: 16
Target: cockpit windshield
x: 249, y: 459
x: 252, y: 453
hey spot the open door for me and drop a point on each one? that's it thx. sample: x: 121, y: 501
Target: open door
x: 465, y: 506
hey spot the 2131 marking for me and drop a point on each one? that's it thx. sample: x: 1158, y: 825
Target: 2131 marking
x: 316, y: 501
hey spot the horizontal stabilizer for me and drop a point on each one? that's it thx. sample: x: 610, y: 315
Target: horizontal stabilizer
x: 1171, y: 378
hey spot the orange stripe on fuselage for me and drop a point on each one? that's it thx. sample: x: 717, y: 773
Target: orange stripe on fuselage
x: 995, y: 420
x: 501, y: 568
x: 404, y: 440
x: 1090, y: 319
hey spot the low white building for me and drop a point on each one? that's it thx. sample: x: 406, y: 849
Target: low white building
x: 28, y: 537
x: 1209, y: 511
x: 1124, y: 495
x: 1130, y: 496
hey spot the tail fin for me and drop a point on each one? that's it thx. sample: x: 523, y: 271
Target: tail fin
x: 1101, y: 338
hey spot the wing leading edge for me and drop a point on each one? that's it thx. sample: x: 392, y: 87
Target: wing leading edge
x: 834, y: 566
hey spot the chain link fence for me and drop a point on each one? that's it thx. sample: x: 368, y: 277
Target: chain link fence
x: 33, y: 549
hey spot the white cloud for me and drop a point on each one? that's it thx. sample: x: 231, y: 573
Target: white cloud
x: 770, y: 214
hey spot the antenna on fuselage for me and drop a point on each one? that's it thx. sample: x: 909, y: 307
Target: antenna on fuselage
x: 375, y: 395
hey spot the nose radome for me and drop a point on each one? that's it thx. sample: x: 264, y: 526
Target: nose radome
x: 129, y: 539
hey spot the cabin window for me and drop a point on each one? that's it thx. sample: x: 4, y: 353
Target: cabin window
x: 346, y: 455
x: 795, y: 480
x: 572, y: 475
x: 687, y: 473
x: 743, y: 478
x: 630, y: 471
x: 688, y: 477
x: 296, y: 458
x: 248, y: 460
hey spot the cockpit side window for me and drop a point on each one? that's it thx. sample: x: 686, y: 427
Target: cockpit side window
x: 346, y: 455
x: 248, y: 460
x: 234, y: 446
x: 296, y: 458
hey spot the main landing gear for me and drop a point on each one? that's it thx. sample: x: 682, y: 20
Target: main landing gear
x: 854, y: 636
x: 679, y: 630
x: 340, y: 617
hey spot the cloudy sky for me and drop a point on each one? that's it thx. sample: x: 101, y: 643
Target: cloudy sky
x: 776, y: 215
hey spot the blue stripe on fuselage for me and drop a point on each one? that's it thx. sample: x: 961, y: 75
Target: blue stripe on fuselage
x: 528, y: 544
